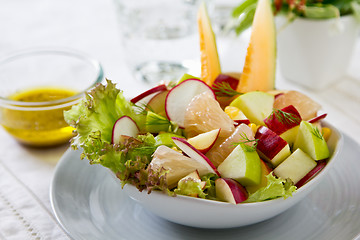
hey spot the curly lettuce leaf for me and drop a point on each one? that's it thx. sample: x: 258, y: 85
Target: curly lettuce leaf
x: 129, y: 162
x: 190, y: 187
x: 275, y: 188
x: 209, y: 189
x: 95, y: 115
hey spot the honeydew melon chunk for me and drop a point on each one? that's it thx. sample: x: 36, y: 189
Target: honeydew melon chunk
x: 210, y: 63
x: 260, y: 63
x: 255, y: 105
x: 310, y: 140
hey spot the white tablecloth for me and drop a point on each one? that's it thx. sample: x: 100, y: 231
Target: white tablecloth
x: 90, y: 26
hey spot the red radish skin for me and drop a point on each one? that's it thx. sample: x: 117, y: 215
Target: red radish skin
x: 318, y: 118
x: 320, y: 165
x: 125, y: 125
x: 193, y: 153
x: 281, y: 126
x: 156, y: 89
x: 269, y: 142
x: 179, y: 97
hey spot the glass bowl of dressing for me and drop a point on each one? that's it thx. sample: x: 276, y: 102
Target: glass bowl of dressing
x: 37, y: 85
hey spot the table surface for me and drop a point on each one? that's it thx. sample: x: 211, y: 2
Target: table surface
x: 91, y: 27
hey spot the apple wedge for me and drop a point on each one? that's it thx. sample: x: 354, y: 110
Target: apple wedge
x: 284, y: 122
x: 237, y: 115
x: 223, y: 147
x: 147, y: 95
x: 295, y: 167
x: 265, y: 170
x: 204, y: 141
x: 271, y: 147
x: 320, y: 165
x: 255, y: 105
x: 242, y: 165
x: 195, y: 154
x: 229, y: 190
x: 179, y: 97
x: 310, y: 140
x: 124, y: 126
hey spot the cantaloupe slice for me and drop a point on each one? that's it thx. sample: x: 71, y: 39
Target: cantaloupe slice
x: 260, y: 62
x: 210, y: 63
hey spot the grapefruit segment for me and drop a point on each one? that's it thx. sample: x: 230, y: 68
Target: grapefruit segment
x: 210, y: 63
x: 259, y: 68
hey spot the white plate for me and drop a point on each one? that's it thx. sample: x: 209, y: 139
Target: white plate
x: 89, y: 204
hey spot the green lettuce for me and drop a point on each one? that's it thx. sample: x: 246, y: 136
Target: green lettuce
x: 275, y: 188
x: 94, y: 117
x: 190, y: 187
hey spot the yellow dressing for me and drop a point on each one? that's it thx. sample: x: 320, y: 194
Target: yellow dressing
x: 38, y: 128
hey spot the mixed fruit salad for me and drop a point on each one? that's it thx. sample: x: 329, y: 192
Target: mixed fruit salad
x: 225, y: 137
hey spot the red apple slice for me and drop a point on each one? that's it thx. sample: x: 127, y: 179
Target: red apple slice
x: 124, y: 126
x: 224, y: 80
x: 282, y: 120
x: 147, y: 95
x: 195, y: 154
x: 229, y: 190
x: 318, y: 118
x: 179, y: 97
x: 271, y: 147
x: 204, y: 141
x: 320, y: 165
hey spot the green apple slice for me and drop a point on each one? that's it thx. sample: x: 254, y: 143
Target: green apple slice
x: 296, y: 166
x: 255, y: 105
x: 310, y: 140
x: 243, y: 165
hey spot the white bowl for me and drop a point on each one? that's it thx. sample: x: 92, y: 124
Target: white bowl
x: 204, y: 213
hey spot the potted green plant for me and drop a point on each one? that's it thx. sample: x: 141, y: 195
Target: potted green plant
x: 315, y: 38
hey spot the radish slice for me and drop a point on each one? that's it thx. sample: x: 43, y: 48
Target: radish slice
x: 178, y: 98
x: 195, y: 154
x: 124, y: 126
x: 147, y: 95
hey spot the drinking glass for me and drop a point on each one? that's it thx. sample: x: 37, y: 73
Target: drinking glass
x: 159, y: 37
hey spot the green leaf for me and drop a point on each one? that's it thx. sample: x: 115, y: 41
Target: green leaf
x: 245, y: 20
x: 275, y: 188
x: 243, y: 7
x: 355, y: 7
x: 190, y: 187
x: 94, y: 117
x: 321, y: 11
